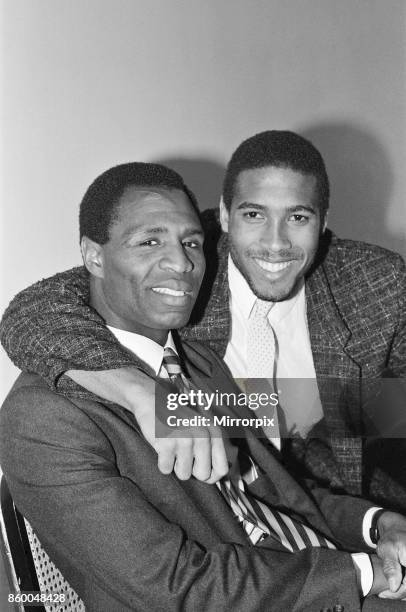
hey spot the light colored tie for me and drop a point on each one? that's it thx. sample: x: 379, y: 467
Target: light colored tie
x: 261, y: 363
x: 261, y: 342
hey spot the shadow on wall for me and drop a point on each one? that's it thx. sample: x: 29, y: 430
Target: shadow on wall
x: 360, y: 175
x: 361, y: 183
x: 203, y: 176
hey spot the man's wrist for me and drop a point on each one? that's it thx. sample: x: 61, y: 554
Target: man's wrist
x: 380, y: 582
x: 138, y: 392
x: 374, y: 529
x: 369, y: 523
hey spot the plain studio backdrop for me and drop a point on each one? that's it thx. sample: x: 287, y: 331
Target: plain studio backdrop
x: 87, y: 84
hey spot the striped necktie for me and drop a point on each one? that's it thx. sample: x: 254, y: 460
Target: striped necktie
x: 171, y: 364
x: 256, y: 518
x: 259, y: 521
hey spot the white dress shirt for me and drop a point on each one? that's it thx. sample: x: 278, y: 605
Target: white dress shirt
x: 299, y: 398
x: 146, y: 349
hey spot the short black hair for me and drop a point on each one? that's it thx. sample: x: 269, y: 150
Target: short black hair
x: 281, y: 149
x: 99, y: 204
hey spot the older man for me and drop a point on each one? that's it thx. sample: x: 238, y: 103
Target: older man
x: 126, y: 536
x: 337, y: 312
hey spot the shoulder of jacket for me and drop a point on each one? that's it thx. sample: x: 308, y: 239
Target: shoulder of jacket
x: 345, y: 251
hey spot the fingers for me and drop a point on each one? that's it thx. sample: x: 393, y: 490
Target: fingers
x: 393, y: 572
x: 402, y: 556
x: 219, y: 462
x: 391, y: 567
x: 184, y: 458
x: 175, y: 455
x: 202, y: 456
x: 166, y: 455
x: 400, y: 594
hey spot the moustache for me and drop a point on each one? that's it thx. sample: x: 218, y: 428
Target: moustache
x: 270, y: 256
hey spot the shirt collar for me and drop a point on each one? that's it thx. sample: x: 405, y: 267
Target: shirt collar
x: 246, y: 297
x: 239, y: 286
x: 146, y: 349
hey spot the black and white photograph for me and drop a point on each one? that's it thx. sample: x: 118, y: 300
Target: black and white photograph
x: 203, y: 306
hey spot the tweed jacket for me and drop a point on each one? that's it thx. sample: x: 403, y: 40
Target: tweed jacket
x: 356, y: 311
x: 130, y: 538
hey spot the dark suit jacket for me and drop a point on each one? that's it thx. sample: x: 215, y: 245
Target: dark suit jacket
x: 127, y: 537
x: 356, y: 310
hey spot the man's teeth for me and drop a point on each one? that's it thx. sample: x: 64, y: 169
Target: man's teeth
x: 167, y: 291
x: 273, y: 267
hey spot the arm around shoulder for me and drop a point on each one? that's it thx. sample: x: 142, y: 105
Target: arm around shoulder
x: 49, y: 328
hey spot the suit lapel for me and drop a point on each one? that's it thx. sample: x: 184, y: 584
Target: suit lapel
x: 338, y: 375
x: 327, y: 329
x: 214, y: 511
x: 326, y: 296
x: 211, y: 322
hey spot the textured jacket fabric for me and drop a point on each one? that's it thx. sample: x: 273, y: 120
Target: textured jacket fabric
x: 129, y: 538
x: 356, y: 311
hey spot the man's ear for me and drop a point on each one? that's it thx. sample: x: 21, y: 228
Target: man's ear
x: 92, y: 254
x: 324, y: 226
x: 224, y: 216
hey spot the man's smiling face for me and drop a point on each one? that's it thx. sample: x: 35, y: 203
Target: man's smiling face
x: 152, y: 266
x: 274, y: 228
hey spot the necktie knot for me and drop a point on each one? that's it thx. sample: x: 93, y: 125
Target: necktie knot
x: 261, y: 309
x: 171, y: 362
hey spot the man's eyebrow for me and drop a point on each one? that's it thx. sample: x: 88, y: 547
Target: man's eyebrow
x: 250, y: 205
x: 144, y: 229
x: 193, y: 230
x: 156, y: 229
x: 307, y: 207
x: 291, y: 209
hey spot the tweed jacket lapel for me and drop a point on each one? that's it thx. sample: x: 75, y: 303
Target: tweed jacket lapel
x: 211, y: 320
x: 337, y: 373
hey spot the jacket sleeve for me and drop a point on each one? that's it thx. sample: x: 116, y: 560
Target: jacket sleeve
x: 63, y: 475
x: 50, y: 328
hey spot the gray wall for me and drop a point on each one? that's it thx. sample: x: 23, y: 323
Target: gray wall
x: 87, y: 84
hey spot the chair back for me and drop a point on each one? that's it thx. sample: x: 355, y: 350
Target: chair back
x: 28, y: 566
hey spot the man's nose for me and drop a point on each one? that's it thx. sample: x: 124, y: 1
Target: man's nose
x: 276, y: 237
x: 176, y: 259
